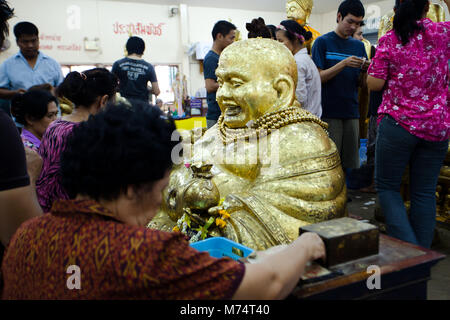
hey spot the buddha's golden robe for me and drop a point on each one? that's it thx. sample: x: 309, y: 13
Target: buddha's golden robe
x: 267, y: 203
x: 66, y: 106
x: 363, y: 99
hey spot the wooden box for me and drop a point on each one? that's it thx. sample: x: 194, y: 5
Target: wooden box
x: 345, y: 239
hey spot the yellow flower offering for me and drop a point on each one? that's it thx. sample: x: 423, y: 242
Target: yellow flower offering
x: 224, y: 214
x: 220, y: 223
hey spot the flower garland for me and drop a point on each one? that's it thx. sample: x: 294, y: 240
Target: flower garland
x: 184, y: 226
x: 202, y: 232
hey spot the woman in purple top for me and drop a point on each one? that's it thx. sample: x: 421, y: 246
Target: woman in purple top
x: 35, y: 110
x: 414, y: 118
x: 89, y: 91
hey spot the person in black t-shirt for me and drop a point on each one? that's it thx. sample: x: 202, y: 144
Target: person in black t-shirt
x: 134, y: 73
x: 17, y: 196
x: 18, y: 200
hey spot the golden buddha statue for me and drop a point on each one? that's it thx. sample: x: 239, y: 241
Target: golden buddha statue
x: 363, y: 92
x: 65, y: 105
x: 272, y: 162
x: 300, y: 10
x: 436, y: 13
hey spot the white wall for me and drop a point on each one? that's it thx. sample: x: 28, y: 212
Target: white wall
x: 62, y: 34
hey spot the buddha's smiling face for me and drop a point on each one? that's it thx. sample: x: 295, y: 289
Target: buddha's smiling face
x: 255, y: 77
x: 246, y: 89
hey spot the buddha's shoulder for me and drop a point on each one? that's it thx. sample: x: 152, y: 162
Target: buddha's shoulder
x: 308, y: 136
x: 306, y: 130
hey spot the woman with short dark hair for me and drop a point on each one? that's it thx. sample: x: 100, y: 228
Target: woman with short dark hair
x: 35, y: 110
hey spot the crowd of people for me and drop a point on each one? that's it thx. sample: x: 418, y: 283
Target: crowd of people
x: 73, y: 183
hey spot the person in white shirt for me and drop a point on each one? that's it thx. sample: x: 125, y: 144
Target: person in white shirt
x: 309, y: 85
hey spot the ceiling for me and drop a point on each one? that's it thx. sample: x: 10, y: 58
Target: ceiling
x: 320, y: 6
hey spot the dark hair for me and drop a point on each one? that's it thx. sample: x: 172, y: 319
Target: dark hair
x: 45, y: 86
x: 354, y: 7
x: 84, y: 88
x: 373, y: 51
x: 257, y: 28
x: 135, y: 45
x: 273, y: 30
x: 5, y: 14
x: 33, y: 104
x: 25, y: 28
x: 120, y: 146
x: 223, y: 27
x: 405, y: 19
x: 293, y: 27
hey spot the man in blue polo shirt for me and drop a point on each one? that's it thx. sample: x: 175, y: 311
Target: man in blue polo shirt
x: 341, y: 61
x: 29, y: 66
x: 223, y: 33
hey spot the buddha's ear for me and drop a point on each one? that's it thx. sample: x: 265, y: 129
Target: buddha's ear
x: 285, y: 87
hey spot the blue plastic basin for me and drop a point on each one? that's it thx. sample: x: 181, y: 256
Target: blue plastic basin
x: 219, y: 247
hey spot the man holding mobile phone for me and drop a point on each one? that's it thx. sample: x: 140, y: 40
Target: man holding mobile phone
x: 341, y: 60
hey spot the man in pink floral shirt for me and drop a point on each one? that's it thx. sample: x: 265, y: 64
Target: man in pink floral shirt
x: 411, y: 64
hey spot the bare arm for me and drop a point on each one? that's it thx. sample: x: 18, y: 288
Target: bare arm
x: 211, y: 85
x: 17, y: 206
x: 34, y: 165
x: 328, y: 74
x: 277, y: 274
x: 375, y: 84
x: 8, y: 94
x: 155, y: 89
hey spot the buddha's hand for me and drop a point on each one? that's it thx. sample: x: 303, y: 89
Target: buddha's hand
x: 231, y: 204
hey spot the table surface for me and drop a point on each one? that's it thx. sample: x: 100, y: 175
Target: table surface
x: 394, y: 255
